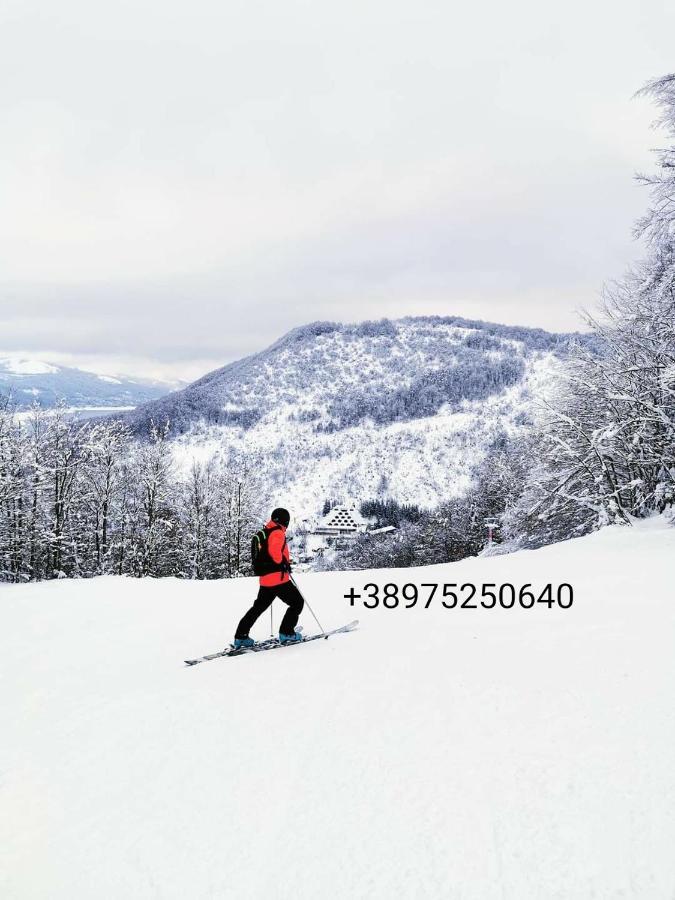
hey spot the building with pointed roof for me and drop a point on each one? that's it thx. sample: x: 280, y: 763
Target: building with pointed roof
x: 342, y: 519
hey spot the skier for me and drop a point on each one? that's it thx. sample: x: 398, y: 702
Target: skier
x: 277, y: 583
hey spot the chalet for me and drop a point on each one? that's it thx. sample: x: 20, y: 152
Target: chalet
x: 342, y: 520
x: 336, y: 529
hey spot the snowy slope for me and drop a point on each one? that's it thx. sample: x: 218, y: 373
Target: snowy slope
x: 403, y: 409
x: 522, y: 754
x: 421, y: 461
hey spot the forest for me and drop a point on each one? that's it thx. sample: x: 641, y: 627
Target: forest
x: 83, y: 500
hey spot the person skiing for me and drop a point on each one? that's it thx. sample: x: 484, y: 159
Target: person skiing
x: 276, y: 582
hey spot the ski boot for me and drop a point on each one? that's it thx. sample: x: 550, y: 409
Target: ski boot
x: 243, y: 643
x: 290, y: 638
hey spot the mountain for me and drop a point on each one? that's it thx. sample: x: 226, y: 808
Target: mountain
x: 432, y: 753
x: 403, y: 408
x: 27, y: 380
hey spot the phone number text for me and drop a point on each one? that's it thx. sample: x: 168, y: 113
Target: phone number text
x: 461, y: 596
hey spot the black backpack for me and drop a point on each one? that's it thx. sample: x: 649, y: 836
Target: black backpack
x: 262, y: 562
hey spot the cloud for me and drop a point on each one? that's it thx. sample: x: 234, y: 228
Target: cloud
x: 185, y: 187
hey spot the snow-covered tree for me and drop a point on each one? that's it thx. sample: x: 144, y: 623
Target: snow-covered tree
x: 12, y: 497
x: 201, y: 552
x: 607, y: 446
x: 62, y: 460
x: 105, y: 446
x: 154, y: 521
x: 241, y: 515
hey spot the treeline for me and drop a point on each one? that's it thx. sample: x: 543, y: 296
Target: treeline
x: 390, y: 512
x: 532, y: 338
x: 83, y: 500
x: 474, y: 375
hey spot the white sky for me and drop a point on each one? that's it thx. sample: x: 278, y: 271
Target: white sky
x: 181, y: 183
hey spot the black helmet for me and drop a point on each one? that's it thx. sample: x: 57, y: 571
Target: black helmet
x: 281, y: 516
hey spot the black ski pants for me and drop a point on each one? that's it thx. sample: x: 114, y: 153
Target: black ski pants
x: 286, y: 592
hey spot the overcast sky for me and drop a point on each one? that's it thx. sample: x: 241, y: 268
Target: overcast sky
x: 181, y: 183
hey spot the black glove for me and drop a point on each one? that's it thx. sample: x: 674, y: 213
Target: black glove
x: 285, y: 567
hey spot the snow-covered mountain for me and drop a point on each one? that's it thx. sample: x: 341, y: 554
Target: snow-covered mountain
x: 520, y: 753
x: 403, y: 409
x: 27, y: 380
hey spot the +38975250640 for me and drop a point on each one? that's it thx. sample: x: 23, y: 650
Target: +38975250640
x: 461, y: 596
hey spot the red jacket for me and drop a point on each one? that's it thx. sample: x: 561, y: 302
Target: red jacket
x: 278, y: 550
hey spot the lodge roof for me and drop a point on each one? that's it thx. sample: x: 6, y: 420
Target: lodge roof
x: 345, y: 518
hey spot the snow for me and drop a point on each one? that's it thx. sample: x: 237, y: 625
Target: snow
x: 27, y: 366
x: 109, y: 379
x: 427, y: 460
x: 433, y: 753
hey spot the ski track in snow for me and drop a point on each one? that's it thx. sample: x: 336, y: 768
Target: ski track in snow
x: 522, y: 754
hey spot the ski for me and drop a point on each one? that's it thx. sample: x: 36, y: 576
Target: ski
x: 271, y: 644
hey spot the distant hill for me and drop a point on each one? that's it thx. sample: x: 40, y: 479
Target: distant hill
x: 337, y: 375
x: 27, y: 381
x: 401, y: 409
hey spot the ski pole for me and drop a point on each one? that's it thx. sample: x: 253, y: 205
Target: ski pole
x: 321, y: 629
x: 271, y: 620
